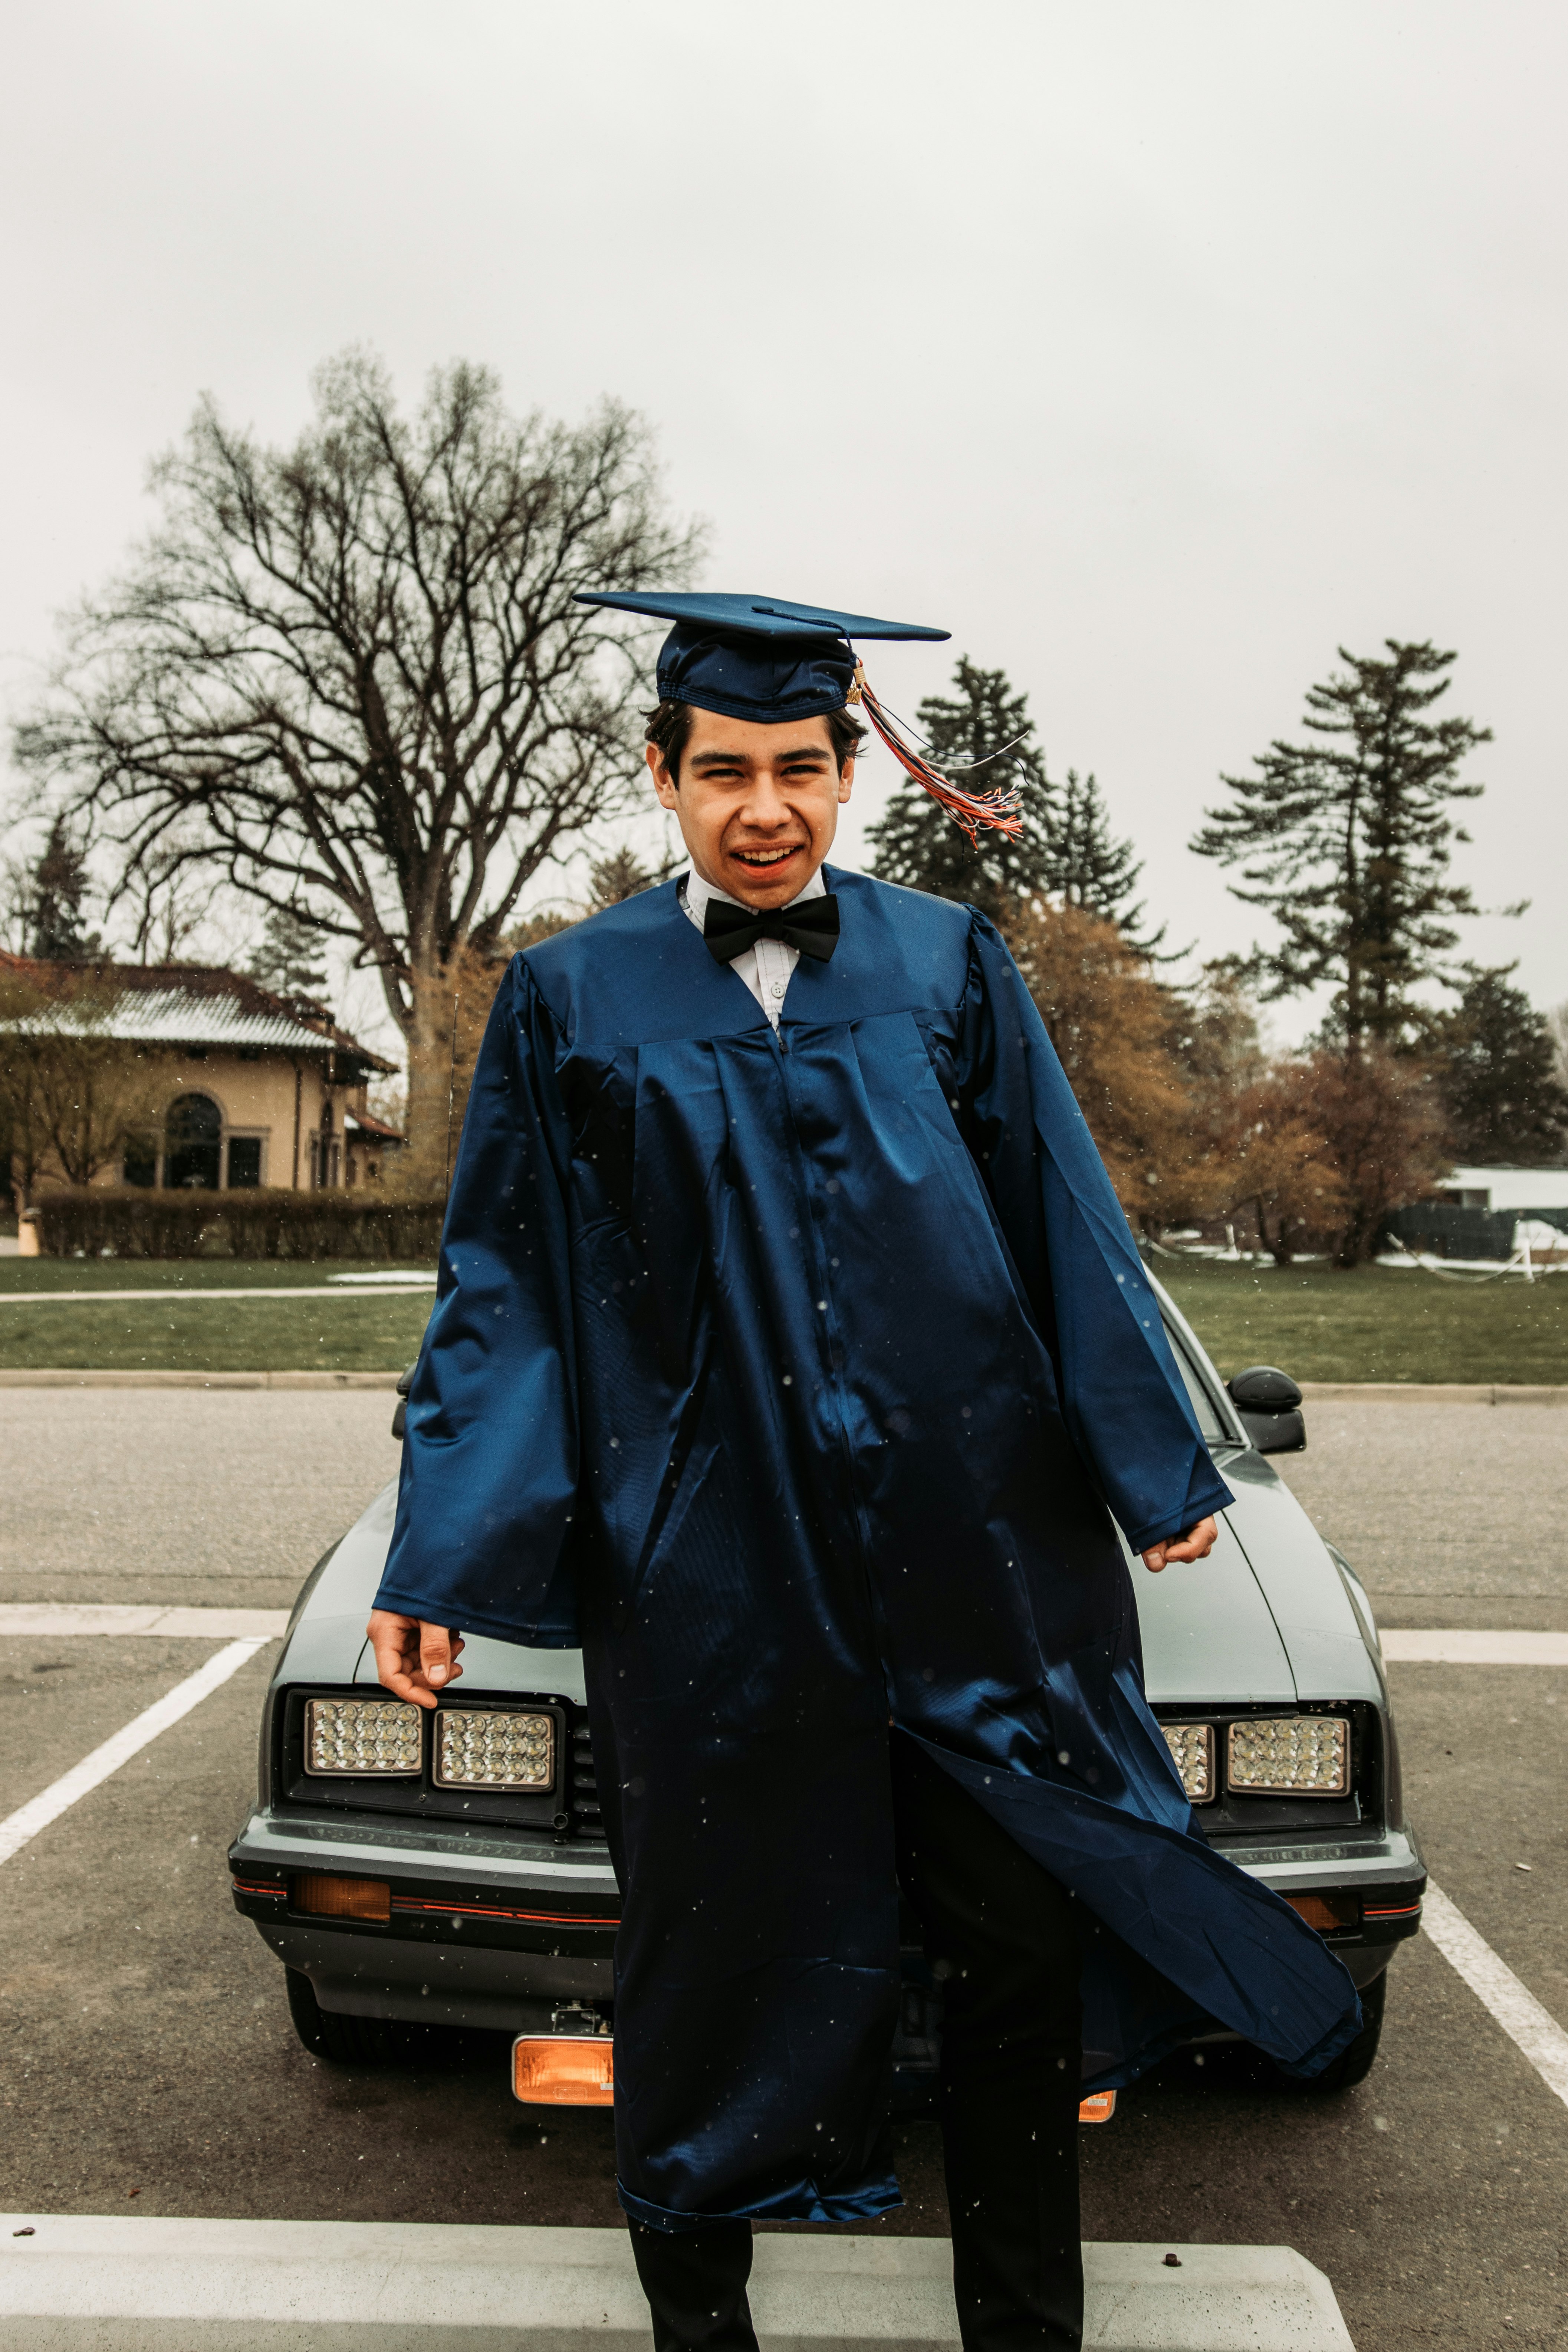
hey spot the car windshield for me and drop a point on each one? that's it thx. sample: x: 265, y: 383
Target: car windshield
x: 1214, y: 1430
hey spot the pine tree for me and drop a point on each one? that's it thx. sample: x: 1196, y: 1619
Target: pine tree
x: 1493, y: 1057
x: 1065, y: 851
x: 1346, y: 840
x: 918, y: 843
x: 1089, y: 867
x: 621, y: 874
x: 289, y: 960
x: 54, y: 892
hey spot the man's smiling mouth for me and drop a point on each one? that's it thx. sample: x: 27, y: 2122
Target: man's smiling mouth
x: 767, y: 856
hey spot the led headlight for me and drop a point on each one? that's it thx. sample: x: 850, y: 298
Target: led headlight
x: 492, y: 1749
x: 1290, y: 1756
x: 361, y: 1735
x: 1192, y: 1753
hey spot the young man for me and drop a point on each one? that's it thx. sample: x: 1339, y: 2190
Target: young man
x: 790, y: 1353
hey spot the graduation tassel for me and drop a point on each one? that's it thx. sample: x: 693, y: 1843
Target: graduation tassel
x: 998, y: 809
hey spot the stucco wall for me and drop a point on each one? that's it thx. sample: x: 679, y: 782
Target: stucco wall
x: 254, y: 1094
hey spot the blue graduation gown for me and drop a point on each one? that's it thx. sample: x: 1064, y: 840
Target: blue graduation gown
x: 793, y: 1375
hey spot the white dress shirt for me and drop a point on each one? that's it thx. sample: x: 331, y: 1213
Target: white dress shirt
x: 766, y: 967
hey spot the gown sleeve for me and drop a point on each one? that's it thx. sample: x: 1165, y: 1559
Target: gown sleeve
x: 487, y: 1498
x: 1121, y: 1396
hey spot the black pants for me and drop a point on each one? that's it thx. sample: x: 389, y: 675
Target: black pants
x: 1005, y: 1933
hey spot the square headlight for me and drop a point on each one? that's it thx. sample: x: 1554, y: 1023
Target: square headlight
x: 1290, y: 1756
x: 493, y: 1749
x: 363, y: 1736
x: 1192, y: 1753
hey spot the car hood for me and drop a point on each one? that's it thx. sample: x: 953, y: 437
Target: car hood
x: 1266, y: 1619
x: 326, y: 1641
x: 1331, y: 1645
x: 1208, y: 1633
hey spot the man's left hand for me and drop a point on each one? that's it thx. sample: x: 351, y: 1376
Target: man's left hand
x: 1197, y: 1544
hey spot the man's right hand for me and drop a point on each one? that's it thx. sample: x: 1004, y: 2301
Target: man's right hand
x: 413, y: 1660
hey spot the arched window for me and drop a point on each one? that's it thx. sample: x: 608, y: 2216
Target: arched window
x: 194, y: 1146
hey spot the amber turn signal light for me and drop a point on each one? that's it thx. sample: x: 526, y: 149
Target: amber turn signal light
x: 1098, y: 2108
x: 343, y: 1898
x: 563, y: 2070
x: 1325, y: 1912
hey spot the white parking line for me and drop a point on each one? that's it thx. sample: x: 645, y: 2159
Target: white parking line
x: 50, y: 1620
x: 40, y: 1811
x: 1406, y: 1646
x: 1529, y: 2027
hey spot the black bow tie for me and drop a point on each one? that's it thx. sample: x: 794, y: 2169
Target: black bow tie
x: 810, y: 926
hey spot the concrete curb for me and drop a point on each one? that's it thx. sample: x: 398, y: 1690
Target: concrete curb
x: 1312, y: 1391
x: 14, y: 1378
x: 1426, y: 1392
x: 114, y: 2284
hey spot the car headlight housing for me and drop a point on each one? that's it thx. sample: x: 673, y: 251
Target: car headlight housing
x: 1192, y: 1753
x: 492, y: 1748
x: 363, y: 1736
x: 1290, y: 1756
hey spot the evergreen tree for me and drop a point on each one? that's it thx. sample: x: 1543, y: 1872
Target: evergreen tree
x: 1346, y: 840
x: 1493, y: 1057
x: 1089, y: 867
x: 1067, y: 849
x: 53, y: 892
x: 918, y: 843
x: 289, y: 960
x: 621, y: 874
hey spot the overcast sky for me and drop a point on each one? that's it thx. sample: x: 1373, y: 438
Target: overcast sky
x: 1154, y: 349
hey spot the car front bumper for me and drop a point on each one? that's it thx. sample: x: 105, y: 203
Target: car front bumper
x: 494, y: 1931
x: 1381, y: 1871
x: 484, y: 1930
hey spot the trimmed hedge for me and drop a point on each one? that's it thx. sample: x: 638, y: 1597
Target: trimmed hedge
x: 246, y: 1224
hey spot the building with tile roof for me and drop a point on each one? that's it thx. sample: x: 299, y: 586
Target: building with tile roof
x: 258, y: 1089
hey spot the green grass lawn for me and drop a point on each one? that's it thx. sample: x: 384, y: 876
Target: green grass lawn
x: 218, y: 1335
x: 189, y: 1333
x: 1378, y: 1323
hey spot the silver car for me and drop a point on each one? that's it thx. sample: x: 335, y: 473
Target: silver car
x: 453, y: 1870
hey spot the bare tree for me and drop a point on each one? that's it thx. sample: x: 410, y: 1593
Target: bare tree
x: 1384, y: 1136
x: 168, y: 899
x: 350, y: 678
x: 73, y: 1096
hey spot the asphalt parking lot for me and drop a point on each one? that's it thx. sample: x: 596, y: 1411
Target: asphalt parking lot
x: 148, y: 2064
x: 202, y: 1497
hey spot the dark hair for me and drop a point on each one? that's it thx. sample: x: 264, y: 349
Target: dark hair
x: 668, y: 730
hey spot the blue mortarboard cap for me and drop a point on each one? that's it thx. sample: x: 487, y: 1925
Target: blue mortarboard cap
x: 758, y: 658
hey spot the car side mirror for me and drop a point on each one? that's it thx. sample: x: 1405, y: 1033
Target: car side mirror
x: 400, y: 1411
x: 1270, y: 1404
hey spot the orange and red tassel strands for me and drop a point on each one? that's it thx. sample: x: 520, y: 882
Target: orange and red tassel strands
x: 998, y: 809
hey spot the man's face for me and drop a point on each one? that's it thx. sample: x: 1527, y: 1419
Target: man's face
x: 757, y: 806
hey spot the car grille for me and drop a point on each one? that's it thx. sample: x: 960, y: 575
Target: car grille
x: 583, y: 1799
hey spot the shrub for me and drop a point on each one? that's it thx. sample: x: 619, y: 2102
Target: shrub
x: 241, y: 1224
